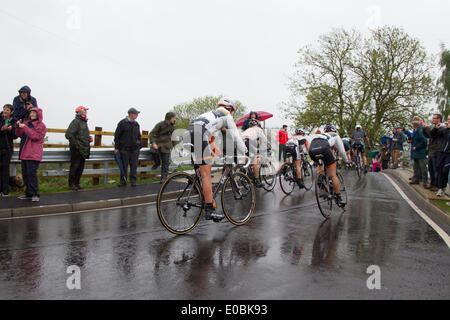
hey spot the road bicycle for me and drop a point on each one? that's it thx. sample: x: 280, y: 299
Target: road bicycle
x: 267, y: 171
x: 325, y: 195
x: 288, y: 174
x: 359, y: 163
x: 180, y: 202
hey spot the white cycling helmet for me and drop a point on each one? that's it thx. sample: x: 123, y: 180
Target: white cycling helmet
x: 358, y: 126
x: 227, y: 103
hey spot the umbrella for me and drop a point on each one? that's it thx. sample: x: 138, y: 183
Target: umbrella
x: 119, y: 163
x: 384, y: 139
x: 262, y: 115
x: 374, y: 153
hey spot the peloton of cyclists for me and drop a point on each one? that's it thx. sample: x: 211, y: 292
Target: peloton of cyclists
x: 320, y: 147
x: 200, y: 135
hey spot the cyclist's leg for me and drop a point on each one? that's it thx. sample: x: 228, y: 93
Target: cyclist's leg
x: 205, y: 171
x: 331, y: 172
x: 298, y: 167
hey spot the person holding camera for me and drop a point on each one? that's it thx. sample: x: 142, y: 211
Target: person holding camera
x: 79, y: 140
x: 23, y: 103
x: 441, y: 132
x: 434, y: 144
x: 7, y: 135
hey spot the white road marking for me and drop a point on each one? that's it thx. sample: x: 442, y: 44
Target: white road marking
x: 436, y: 228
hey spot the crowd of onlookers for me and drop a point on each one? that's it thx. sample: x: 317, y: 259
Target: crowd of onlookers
x: 24, y: 119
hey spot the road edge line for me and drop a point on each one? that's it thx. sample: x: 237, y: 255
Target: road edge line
x: 423, y: 215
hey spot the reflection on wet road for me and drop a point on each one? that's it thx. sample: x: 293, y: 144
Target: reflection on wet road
x: 287, y: 251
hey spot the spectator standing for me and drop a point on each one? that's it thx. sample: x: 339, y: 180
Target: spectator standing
x: 434, y: 144
x: 32, y: 133
x: 397, y: 145
x: 23, y: 103
x: 161, y: 139
x: 282, y: 138
x: 253, y: 115
x: 385, y: 155
x: 79, y: 141
x: 127, y: 142
x: 419, y: 154
x: 442, y: 133
x: 7, y: 135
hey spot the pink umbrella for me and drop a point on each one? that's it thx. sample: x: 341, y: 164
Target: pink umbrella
x: 262, y: 115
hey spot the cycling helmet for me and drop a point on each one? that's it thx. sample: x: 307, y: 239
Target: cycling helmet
x: 227, y: 103
x: 253, y: 122
x: 329, y: 128
x: 358, y: 126
x: 318, y: 131
x: 299, y: 132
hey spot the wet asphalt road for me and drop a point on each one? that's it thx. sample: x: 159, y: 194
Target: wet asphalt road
x: 287, y: 251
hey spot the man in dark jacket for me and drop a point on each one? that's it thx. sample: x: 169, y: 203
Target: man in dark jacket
x: 434, y: 144
x: 161, y: 139
x: 127, y: 142
x: 7, y: 135
x: 79, y: 141
x: 397, y: 146
x: 442, y: 132
x: 419, y: 154
x: 23, y: 103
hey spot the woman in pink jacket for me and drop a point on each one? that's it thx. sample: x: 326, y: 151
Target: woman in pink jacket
x: 32, y: 133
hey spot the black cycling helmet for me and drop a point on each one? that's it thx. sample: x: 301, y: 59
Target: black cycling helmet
x: 299, y: 132
x: 329, y: 128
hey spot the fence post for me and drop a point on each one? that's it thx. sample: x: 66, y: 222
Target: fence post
x: 97, y: 143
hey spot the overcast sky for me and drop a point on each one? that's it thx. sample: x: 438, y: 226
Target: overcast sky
x: 111, y: 55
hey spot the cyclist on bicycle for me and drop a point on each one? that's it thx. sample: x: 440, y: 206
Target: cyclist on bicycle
x: 300, y: 145
x: 200, y: 135
x: 346, y: 141
x: 256, y: 142
x: 358, y: 144
x: 320, y: 148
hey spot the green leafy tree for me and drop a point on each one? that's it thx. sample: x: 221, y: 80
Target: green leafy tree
x: 188, y: 111
x: 443, y: 83
x: 378, y: 82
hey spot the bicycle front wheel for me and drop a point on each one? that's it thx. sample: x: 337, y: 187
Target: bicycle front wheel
x: 307, y: 175
x: 180, y: 203
x: 268, y: 176
x: 287, y: 182
x: 324, y: 197
x: 238, y: 198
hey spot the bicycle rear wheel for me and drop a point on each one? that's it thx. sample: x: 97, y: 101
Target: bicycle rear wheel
x: 268, y: 176
x: 287, y: 178
x: 343, y: 189
x: 180, y: 203
x: 238, y: 198
x: 324, y: 197
x: 307, y: 175
x: 359, y: 168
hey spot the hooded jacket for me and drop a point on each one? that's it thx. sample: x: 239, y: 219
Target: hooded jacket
x: 20, y: 111
x: 161, y: 135
x: 420, y: 143
x: 78, y: 135
x: 35, y: 134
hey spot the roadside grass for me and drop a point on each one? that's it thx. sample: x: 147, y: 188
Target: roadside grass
x: 443, y: 205
x: 60, y: 184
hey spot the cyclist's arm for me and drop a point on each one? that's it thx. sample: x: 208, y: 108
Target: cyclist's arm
x: 231, y: 126
x: 341, y: 149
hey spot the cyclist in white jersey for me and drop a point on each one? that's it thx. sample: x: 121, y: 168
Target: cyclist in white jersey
x: 320, y: 148
x: 299, y: 145
x: 201, y: 135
